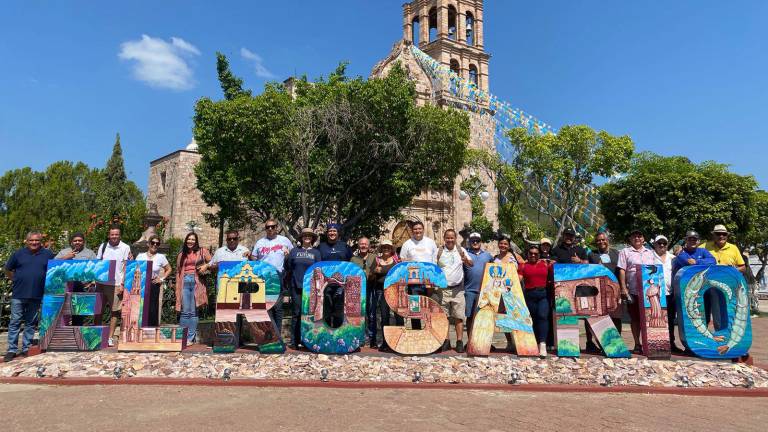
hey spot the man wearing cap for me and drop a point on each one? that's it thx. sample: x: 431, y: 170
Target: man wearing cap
x: 473, y: 275
x: 333, y: 249
x: 608, y: 257
x: 568, y: 252
x: 725, y: 253
x: 691, y: 254
x: 299, y: 260
x: 629, y: 257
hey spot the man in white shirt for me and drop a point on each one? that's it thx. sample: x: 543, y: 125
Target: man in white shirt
x: 419, y: 247
x: 274, y: 249
x: 114, y: 250
x: 452, y: 258
x: 233, y: 251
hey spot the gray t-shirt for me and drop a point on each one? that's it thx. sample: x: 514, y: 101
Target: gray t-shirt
x: 84, y: 254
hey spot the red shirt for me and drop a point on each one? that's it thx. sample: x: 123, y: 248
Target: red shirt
x: 534, y: 275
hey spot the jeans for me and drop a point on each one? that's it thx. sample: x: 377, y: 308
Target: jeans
x: 153, y: 300
x: 296, y: 315
x: 712, y: 309
x: 377, y: 307
x: 27, y: 310
x: 333, y: 306
x: 671, y: 315
x: 538, y: 305
x: 417, y: 290
x: 189, y: 317
x: 276, y: 314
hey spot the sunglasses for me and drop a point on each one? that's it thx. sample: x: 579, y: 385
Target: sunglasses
x: 232, y: 238
x: 155, y: 243
x: 271, y: 227
x: 722, y: 234
x: 532, y: 254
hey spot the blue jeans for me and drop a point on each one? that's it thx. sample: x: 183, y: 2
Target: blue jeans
x: 29, y: 311
x: 470, y: 298
x: 377, y: 307
x: 538, y: 305
x: 189, y: 317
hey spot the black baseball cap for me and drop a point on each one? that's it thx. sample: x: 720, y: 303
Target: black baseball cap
x: 569, y: 231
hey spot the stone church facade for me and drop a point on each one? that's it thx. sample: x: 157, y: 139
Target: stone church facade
x: 451, y: 32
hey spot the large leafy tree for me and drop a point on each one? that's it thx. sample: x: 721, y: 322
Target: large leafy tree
x: 68, y: 197
x: 567, y: 163
x: 670, y: 195
x: 344, y: 150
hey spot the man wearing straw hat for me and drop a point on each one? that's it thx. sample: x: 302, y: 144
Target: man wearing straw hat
x: 725, y: 253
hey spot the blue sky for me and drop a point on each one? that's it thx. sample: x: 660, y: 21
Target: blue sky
x: 683, y: 77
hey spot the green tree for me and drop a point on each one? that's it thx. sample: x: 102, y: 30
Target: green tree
x: 345, y: 150
x: 755, y: 241
x: 670, y: 195
x: 567, y: 163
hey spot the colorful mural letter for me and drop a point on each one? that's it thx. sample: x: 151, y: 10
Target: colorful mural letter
x: 247, y: 290
x: 501, y: 287
x: 654, y: 329
x: 135, y: 312
x: 72, y: 290
x: 434, y: 322
x: 591, y: 292
x: 735, y: 338
x: 333, y: 308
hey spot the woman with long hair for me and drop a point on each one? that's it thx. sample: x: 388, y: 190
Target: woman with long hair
x: 190, y: 289
x: 161, y: 269
x: 535, y: 273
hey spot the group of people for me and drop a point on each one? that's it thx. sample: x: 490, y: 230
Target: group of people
x: 463, y: 269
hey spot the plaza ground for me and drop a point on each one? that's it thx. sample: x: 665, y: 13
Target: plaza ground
x: 174, y: 408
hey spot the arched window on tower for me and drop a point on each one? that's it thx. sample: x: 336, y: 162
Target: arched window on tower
x: 452, y: 20
x: 432, y: 24
x: 415, y: 31
x: 470, y: 29
x: 473, y: 75
x: 455, y: 68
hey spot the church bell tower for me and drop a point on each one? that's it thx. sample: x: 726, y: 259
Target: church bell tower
x: 451, y: 32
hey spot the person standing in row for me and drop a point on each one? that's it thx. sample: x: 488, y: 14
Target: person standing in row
x: 299, y: 260
x: 506, y: 256
x: 545, y: 247
x: 334, y: 249
x: 691, y: 254
x: 378, y: 305
x: 76, y: 251
x: 568, y: 252
x: 191, y: 266
x: 26, y: 268
x: 535, y: 274
x: 161, y: 269
x: 115, y: 250
x: 366, y: 260
x: 233, y: 251
x: 607, y: 256
x: 418, y: 248
x: 452, y: 258
x: 631, y: 291
x: 473, y: 275
x: 726, y: 254
x: 274, y: 249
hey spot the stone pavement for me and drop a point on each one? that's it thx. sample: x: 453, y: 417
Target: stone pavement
x: 190, y: 408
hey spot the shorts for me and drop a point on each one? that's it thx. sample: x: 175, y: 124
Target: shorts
x: 111, y: 298
x: 452, y: 301
x: 471, y: 300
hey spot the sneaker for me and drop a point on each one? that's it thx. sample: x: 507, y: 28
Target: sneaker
x: 23, y: 354
x: 542, y: 350
x: 9, y: 356
x: 446, y: 346
x: 372, y: 343
x: 111, y: 342
x: 459, y: 346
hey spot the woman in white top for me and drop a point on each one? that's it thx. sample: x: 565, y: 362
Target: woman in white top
x: 161, y: 268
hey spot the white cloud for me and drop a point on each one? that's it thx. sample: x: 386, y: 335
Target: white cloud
x: 258, y: 63
x: 160, y: 63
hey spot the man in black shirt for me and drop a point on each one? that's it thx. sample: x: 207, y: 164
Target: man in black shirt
x: 567, y: 252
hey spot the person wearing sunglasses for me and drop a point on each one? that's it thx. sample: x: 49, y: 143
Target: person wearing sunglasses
x: 473, y: 275
x: 231, y: 251
x: 274, y: 249
x: 664, y: 257
x: 535, y: 275
x: 161, y: 269
x: 725, y: 253
x: 691, y: 254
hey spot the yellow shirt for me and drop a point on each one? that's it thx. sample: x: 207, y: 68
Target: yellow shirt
x: 729, y: 254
